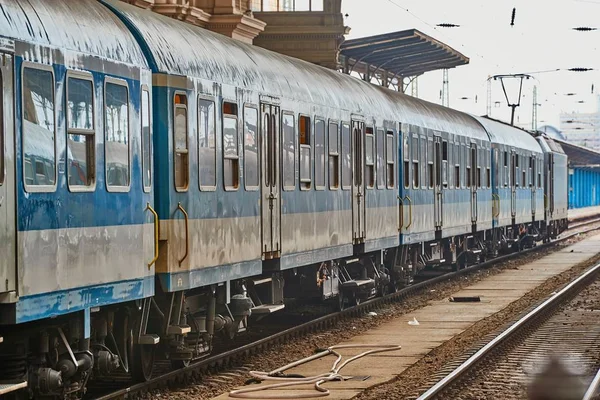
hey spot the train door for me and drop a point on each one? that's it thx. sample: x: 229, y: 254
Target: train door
x: 270, y: 192
x: 550, y: 184
x: 8, y: 272
x: 513, y: 184
x: 438, y: 165
x: 474, y: 181
x: 532, y: 175
x: 358, y: 183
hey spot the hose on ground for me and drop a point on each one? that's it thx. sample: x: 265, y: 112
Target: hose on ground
x: 283, y: 382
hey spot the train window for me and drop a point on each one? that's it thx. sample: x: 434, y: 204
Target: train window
x: 380, y: 159
x: 539, y: 174
x: 406, y: 152
x: 305, y: 152
x: 320, y: 154
x: 207, y: 145
x: 469, y: 163
x: 180, y: 140
x: 2, y: 149
x: 334, y: 156
x: 370, y: 158
x: 430, y: 171
x: 480, y: 160
x: 346, y: 158
x: 251, y: 148
x: 416, y: 170
x: 231, y: 158
x: 505, y: 174
x: 531, y: 172
x: 80, y: 132
x: 423, y: 160
x: 289, y: 151
x: 146, y: 141
x: 39, y: 135
x: 457, y: 165
x: 116, y: 127
x: 389, y: 159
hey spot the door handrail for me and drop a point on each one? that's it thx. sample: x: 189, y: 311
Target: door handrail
x: 401, y: 213
x: 187, y: 233
x: 410, y: 214
x: 156, y: 235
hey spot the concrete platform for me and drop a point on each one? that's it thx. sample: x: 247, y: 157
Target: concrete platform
x: 583, y: 212
x: 439, y: 321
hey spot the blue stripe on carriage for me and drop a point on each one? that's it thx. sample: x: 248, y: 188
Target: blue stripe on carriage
x: 184, y: 280
x: 53, y: 304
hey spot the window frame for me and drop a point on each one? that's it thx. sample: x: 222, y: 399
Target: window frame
x: 146, y: 88
x: 118, y: 82
x: 29, y: 187
x: 283, y: 168
x: 334, y: 154
x: 237, y: 145
x: 406, y: 159
x: 373, y: 155
x: 416, y: 161
x: 2, y: 135
x: 388, y: 133
x: 187, y: 139
x: 316, y: 120
x: 253, y: 106
x: 342, y: 155
x: 84, y: 76
x: 208, y: 98
x: 306, y: 183
x: 380, y: 156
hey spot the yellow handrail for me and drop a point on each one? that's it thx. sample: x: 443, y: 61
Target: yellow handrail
x: 187, y: 233
x: 401, y: 213
x: 497, y: 201
x: 149, y: 208
x: 409, y: 211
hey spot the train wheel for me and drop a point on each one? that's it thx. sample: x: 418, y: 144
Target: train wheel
x: 142, y: 362
x: 123, y: 337
x: 178, y: 364
x: 142, y: 356
x: 341, y: 301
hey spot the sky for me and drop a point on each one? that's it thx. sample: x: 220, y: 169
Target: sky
x: 541, y: 39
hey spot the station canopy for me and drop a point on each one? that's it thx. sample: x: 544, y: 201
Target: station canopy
x: 579, y: 156
x: 397, y: 55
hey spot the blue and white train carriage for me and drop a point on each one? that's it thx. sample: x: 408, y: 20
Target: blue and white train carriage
x: 263, y: 170
x: 75, y: 185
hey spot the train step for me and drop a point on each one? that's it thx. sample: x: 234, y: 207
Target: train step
x: 12, y: 386
x: 149, y: 339
x: 356, y: 283
x: 178, y: 329
x: 267, y: 309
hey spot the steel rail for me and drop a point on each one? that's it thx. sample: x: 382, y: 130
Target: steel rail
x: 224, y: 359
x: 548, y: 305
x: 594, y: 387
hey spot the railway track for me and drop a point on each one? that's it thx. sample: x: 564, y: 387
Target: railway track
x: 232, y: 358
x: 517, y: 360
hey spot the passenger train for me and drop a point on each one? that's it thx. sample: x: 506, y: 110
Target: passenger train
x: 162, y: 186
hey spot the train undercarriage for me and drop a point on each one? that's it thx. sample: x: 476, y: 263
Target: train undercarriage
x: 58, y: 359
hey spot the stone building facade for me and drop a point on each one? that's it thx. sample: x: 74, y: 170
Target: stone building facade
x: 312, y: 30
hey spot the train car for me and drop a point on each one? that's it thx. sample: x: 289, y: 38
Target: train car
x: 275, y: 178
x: 555, y: 175
x: 75, y: 239
x: 517, y: 185
x: 305, y: 180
